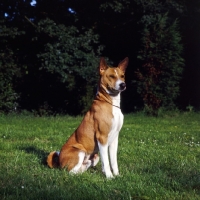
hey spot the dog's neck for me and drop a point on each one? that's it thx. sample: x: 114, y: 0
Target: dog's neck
x: 116, y: 100
x: 103, y: 95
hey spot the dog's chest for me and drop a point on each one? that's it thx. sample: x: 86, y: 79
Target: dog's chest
x: 117, y: 122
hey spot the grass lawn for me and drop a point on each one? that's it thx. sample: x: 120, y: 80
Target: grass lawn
x: 159, y: 158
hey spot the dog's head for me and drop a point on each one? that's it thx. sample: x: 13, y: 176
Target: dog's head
x: 113, y: 78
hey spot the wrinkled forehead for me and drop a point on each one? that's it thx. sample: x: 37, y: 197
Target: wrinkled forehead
x: 114, y: 70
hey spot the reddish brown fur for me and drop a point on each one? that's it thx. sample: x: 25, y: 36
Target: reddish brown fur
x: 53, y: 160
x: 94, y: 126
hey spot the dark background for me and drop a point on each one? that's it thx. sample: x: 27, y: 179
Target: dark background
x: 29, y: 83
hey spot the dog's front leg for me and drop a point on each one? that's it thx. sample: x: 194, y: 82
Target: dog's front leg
x: 113, y: 156
x: 103, y: 149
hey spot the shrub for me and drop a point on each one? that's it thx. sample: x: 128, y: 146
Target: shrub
x: 162, y: 65
x: 9, y: 69
x: 71, y: 56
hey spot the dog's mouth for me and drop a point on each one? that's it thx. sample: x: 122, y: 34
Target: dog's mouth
x: 114, y: 91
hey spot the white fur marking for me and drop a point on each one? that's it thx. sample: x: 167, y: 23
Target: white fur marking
x: 117, y: 84
x: 113, y: 156
x: 116, y: 100
x: 117, y: 123
x: 77, y: 168
x: 103, y: 149
x: 116, y: 73
x: 95, y: 160
x: 112, y: 143
x: 85, y: 166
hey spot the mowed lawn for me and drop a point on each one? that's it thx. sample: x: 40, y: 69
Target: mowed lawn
x: 159, y: 158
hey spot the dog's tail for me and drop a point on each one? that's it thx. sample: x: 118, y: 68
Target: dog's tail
x: 53, y: 159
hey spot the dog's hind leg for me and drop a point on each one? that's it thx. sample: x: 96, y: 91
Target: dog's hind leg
x: 95, y: 160
x: 85, y: 165
x: 89, y: 161
x: 78, y: 167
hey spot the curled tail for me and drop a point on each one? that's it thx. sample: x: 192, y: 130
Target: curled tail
x: 53, y: 159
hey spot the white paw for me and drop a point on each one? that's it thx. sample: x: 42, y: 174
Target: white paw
x: 88, y: 164
x: 116, y: 173
x: 109, y: 175
x: 95, y: 160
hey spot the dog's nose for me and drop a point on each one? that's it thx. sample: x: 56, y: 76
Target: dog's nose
x: 122, y: 85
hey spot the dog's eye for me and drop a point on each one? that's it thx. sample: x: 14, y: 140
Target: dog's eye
x: 122, y: 76
x: 112, y: 76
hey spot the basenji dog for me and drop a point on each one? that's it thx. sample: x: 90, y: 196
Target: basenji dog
x: 99, y: 129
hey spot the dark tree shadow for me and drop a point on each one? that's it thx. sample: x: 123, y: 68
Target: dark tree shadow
x: 42, y: 155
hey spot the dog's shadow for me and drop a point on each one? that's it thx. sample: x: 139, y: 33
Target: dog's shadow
x: 42, y: 155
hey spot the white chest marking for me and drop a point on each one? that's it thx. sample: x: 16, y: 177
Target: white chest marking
x: 117, y: 120
x: 112, y: 143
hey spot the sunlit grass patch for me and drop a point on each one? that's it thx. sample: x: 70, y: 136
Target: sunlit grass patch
x: 159, y: 158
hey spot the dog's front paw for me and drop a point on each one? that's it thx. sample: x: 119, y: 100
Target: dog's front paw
x: 109, y: 175
x: 116, y: 173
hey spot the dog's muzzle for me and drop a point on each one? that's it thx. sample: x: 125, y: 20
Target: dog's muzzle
x: 122, y: 86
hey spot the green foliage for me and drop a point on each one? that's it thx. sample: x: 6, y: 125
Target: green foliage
x: 118, y: 6
x: 68, y: 52
x: 9, y: 69
x: 158, y: 159
x: 57, y: 55
x: 162, y: 65
x: 72, y: 56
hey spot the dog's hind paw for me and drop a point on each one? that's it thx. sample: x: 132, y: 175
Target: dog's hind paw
x: 95, y: 160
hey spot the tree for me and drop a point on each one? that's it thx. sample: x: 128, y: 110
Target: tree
x: 57, y: 61
x: 134, y: 18
x: 9, y: 69
x: 162, y: 64
x: 46, y: 53
x: 72, y: 58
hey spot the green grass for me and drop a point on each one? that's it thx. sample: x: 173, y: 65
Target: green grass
x: 159, y: 158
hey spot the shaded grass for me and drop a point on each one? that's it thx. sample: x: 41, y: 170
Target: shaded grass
x: 159, y: 158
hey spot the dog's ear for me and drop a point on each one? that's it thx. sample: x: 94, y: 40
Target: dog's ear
x: 123, y: 64
x: 102, y: 66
